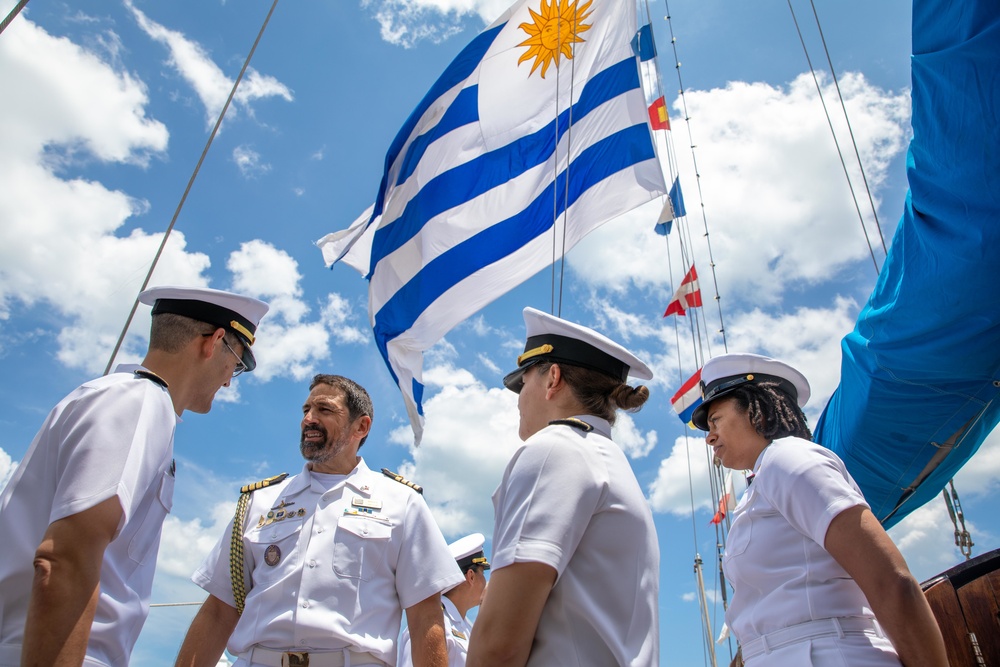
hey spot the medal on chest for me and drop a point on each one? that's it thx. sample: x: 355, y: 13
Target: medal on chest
x: 272, y: 555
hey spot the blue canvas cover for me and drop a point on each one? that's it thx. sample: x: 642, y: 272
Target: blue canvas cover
x: 921, y: 369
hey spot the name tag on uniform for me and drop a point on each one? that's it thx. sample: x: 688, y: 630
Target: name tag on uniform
x: 368, y: 503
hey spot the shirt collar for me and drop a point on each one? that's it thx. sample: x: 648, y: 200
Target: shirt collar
x: 600, y: 425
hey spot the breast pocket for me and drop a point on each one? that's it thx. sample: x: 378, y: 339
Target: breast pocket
x: 276, y: 550
x: 360, y: 546
x: 148, y: 520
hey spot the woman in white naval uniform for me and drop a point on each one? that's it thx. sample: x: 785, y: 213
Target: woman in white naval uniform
x: 811, y: 567
x: 575, y: 575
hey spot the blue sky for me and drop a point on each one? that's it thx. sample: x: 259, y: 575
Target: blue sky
x: 106, y: 109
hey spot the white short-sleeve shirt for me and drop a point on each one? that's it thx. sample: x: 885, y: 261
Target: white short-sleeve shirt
x: 775, y: 560
x: 569, y: 499
x: 332, y: 567
x: 110, y: 437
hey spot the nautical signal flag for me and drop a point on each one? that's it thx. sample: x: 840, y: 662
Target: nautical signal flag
x: 642, y: 43
x: 727, y: 503
x: 673, y: 208
x: 499, y: 156
x: 688, y: 295
x: 658, y: 118
x: 688, y: 398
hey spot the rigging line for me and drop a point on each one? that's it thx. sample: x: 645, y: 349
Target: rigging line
x: 194, y: 175
x: 850, y: 129
x: 569, y: 151
x: 829, y: 122
x: 555, y: 179
x: 13, y: 13
x: 697, y: 174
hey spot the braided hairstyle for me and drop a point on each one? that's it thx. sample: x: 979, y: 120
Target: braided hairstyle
x: 773, y: 413
x: 600, y: 394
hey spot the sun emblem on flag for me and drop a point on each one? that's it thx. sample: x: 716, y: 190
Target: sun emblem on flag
x: 556, y: 27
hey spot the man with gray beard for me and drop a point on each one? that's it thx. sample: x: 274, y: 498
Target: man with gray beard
x: 317, y: 569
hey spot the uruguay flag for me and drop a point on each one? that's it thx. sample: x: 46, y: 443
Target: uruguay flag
x: 538, y: 131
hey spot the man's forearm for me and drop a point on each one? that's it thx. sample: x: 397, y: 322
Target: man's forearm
x: 206, y: 638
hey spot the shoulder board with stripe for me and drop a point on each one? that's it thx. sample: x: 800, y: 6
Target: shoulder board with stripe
x: 575, y: 423
x: 405, y: 482
x: 264, y: 483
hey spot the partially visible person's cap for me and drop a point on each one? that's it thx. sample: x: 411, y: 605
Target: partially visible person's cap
x: 553, y: 339
x: 468, y: 552
x: 233, y: 312
x: 723, y: 374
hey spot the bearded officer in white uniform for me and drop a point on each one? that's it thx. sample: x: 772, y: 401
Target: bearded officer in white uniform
x: 325, y: 561
x: 575, y: 574
x: 471, y: 559
x: 81, y: 517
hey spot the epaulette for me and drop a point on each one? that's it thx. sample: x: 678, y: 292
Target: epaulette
x: 262, y: 484
x: 150, y: 375
x: 402, y: 480
x: 575, y: 423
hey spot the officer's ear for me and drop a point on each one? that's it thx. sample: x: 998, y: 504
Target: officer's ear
x: 361, y: 426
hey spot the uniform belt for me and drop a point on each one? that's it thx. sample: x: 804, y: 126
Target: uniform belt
x: 342, y: 658
x: 824, y: 627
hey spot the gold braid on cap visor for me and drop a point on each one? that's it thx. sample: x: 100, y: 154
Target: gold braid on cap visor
x: 243, y: 330
x: 528, y: 354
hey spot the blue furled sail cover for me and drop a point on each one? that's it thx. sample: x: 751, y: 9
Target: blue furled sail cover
x: 921, y: 370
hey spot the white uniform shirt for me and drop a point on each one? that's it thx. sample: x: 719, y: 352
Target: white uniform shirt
x: 569, y: 499
x: 110, y: 437
x: 457, y: 631
x: 775, y: 560
x: 332, y: 568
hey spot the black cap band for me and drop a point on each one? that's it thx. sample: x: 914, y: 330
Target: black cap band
x: 209, y: 313
x: 576, y: 352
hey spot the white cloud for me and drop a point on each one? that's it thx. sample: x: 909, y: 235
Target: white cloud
x: 630, y: 438
x: 339, y: 318
x: 184, y: 544
x: 58, y: 243
x: 249, y: 163
x: 808, y: 339
x: 779, y: 211
x: 209, y: 82
x: 463, y: 452
x: 683, y: 475
x: 287, y: 344
x: 72, y: 100
x: 488, y: 363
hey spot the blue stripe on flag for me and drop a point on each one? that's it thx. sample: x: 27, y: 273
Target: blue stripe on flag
x: 418, y: 392
x: 608, y: 156
x: 477, y: 176
x: 688, y: 412
x: 464, y: 110
x: 460, y: 69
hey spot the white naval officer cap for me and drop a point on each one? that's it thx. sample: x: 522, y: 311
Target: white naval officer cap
x: 550, y: 338
x: 723, y: 374
x: 233, y: 312
x: 468, y: 552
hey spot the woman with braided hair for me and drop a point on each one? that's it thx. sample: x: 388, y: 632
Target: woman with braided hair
x: 811, y: 567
